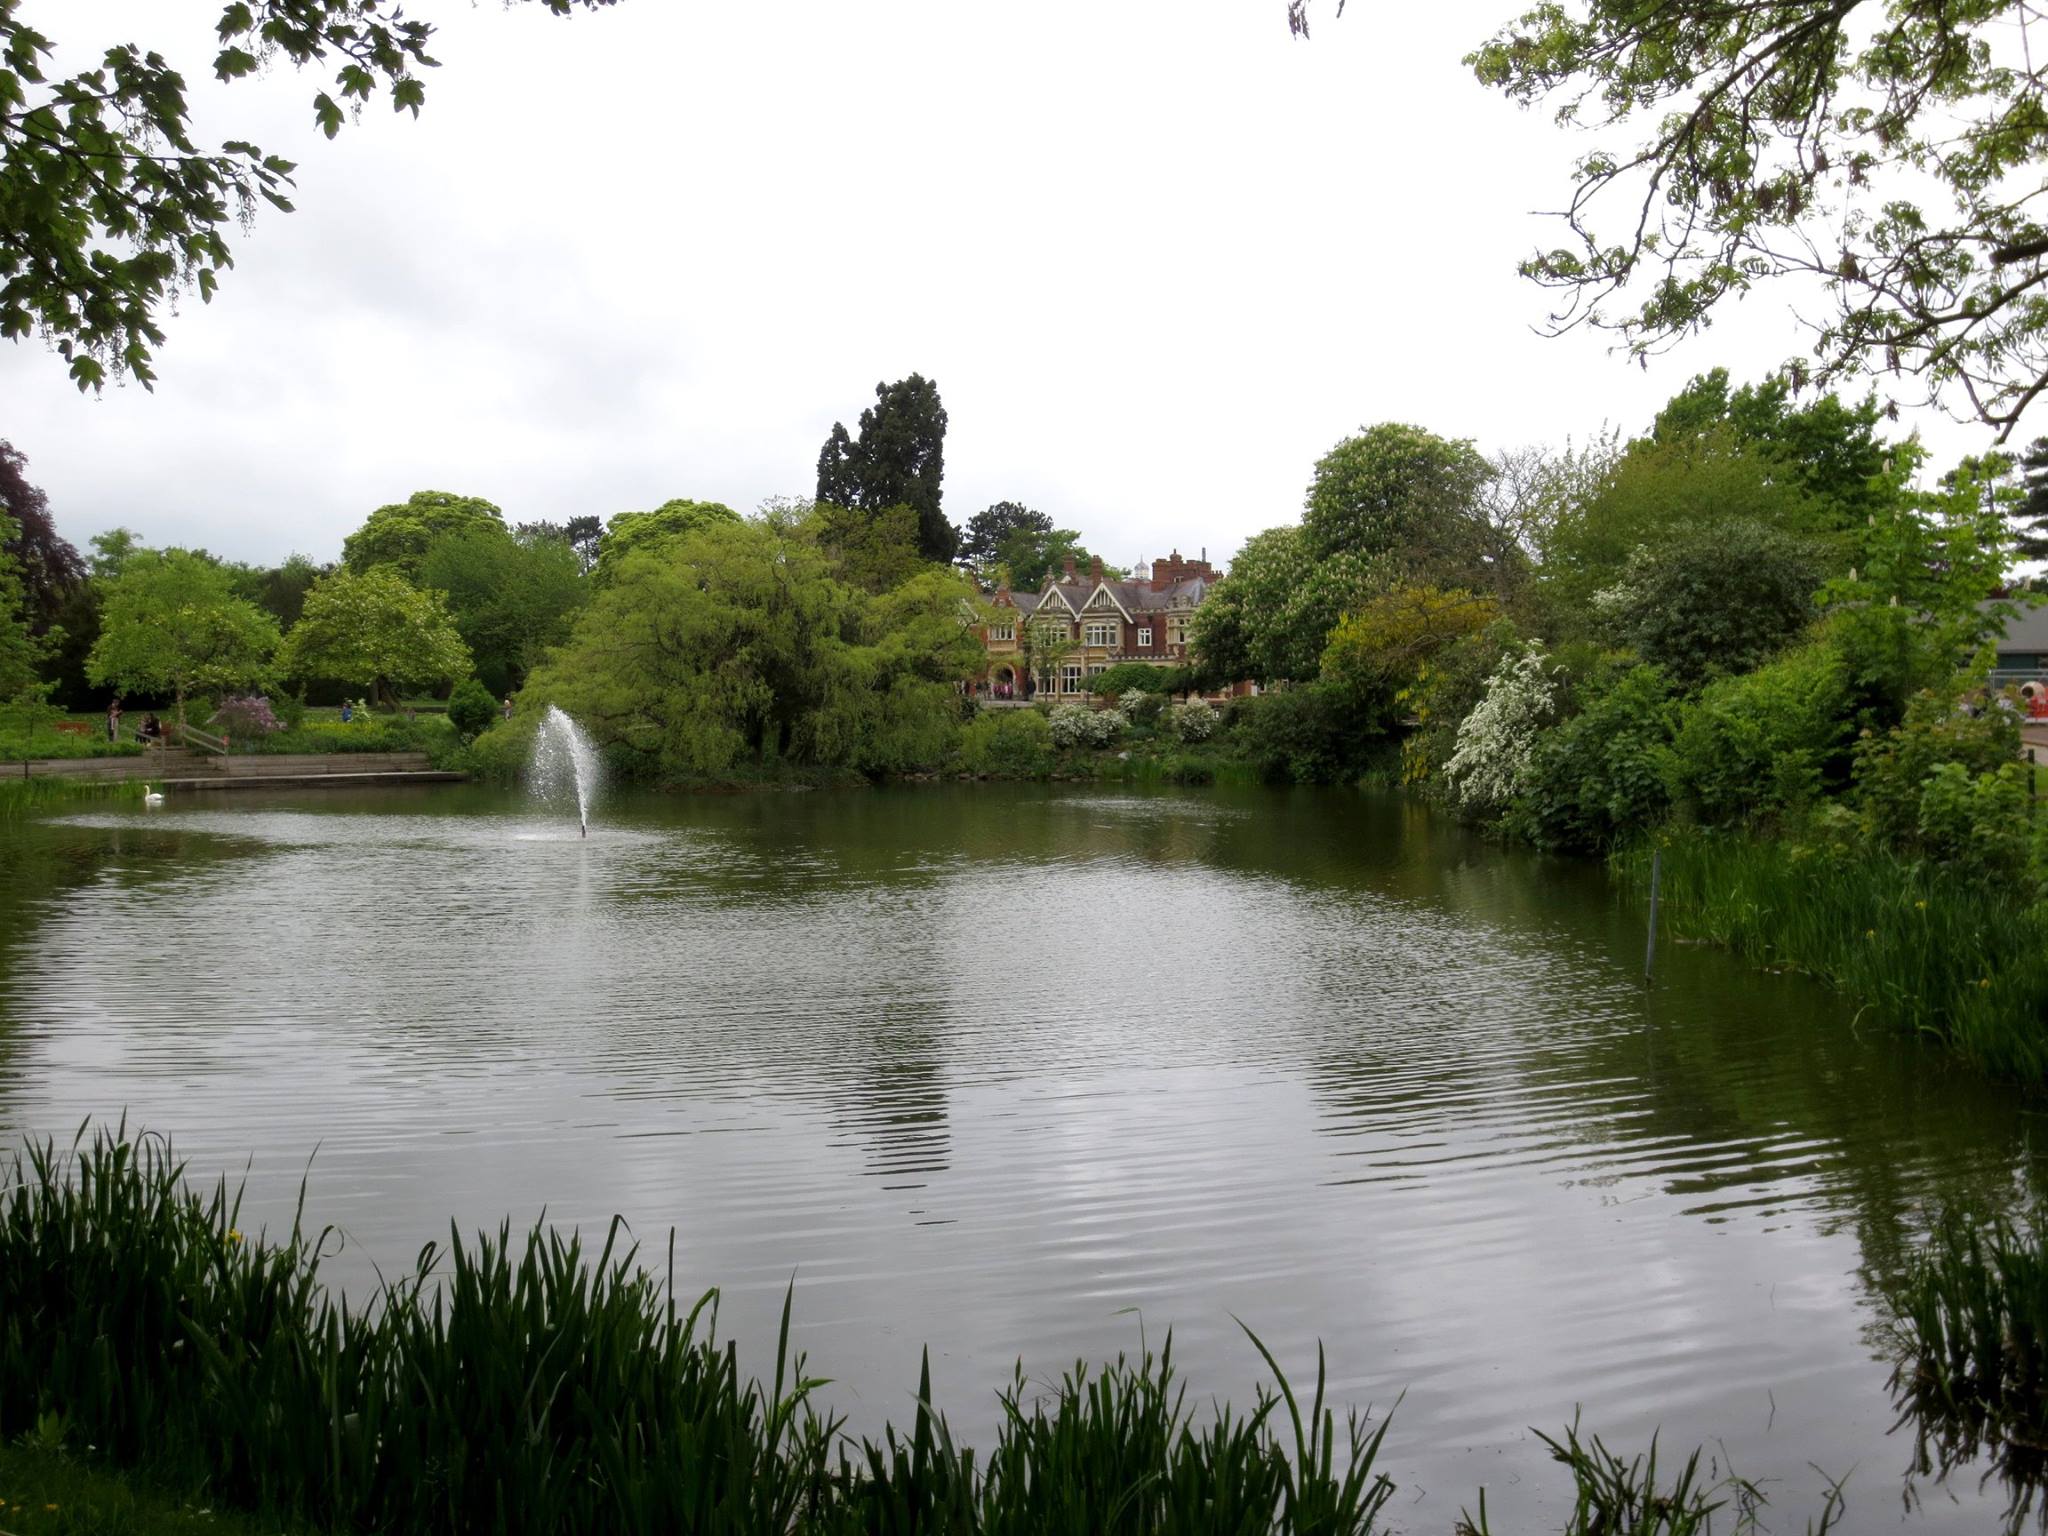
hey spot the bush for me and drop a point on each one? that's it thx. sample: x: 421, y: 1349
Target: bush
x: 1891, y: 769
x: 1306, y: 735
x: 290, y: 711
x: 1976, y: 824
x: 1193, y: 721
x: 1128, y: 677
x: 1140, y: 708
x: 472, y: 708
x: 1007, y: 743
x: 1767, y: 742
x: 1076, y: 725
x: 243, y: 716
x: 1601, y: 775
x: 1497, y: 740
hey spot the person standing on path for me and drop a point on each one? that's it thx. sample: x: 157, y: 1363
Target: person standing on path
x: 114, y: 719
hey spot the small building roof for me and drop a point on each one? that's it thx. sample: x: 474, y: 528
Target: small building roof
x: 2026, y: 630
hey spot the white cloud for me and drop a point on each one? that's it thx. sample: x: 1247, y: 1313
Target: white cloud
x: 1158, y: 258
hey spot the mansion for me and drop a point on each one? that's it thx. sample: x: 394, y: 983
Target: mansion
x: 1105, y: 622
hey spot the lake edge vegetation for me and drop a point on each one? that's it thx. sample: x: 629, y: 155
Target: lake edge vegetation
x: 144, y: 1334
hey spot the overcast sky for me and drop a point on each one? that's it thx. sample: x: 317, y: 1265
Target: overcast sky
x: 1157, y: 256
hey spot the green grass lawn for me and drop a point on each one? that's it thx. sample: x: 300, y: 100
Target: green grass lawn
x: 53, y: 1493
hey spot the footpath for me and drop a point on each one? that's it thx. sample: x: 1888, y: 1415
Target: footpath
x: 184, y: 769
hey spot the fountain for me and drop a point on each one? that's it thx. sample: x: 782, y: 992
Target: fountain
x: 564, y: 760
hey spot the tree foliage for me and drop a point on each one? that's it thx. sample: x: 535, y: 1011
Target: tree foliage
x: 374, y: 629
x: 628, y: 532
x: 399, y: 535
x: 1714, y: 599
x: 510, y: 597
x: 111, y: 207
x: 171, y: 623
x: 1884, y: 150
x: 48, y: 566
x: 737, y: 648
x: 1405, y: 500
x: 981, y: 541
x: 1378, y: 654
x: 19, y: 652
x: 899, y: 459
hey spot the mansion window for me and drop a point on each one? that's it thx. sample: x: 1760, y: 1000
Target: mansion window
x: 1070, y: 678
x: 1006, y: 632
x: 1102, y: 634
x: 1144, y: 637
x: 1096, y: 669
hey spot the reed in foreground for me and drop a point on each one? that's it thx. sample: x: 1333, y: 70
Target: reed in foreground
x: 526, y: 1385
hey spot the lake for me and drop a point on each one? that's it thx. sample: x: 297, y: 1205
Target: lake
x: 1038, y: 1074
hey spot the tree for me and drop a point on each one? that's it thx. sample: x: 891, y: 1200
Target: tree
x: 898, y: 460
x: 110, y: 552
x: 399, y: 534
x: 872, y: 551
x: 511, y: 598
x: 1045, y: 644
x: 279, y: 590
x: 112, y: 207
x: 981, y: 542
x: 629, y: 532
x: 1832, y: 449
x: 1377, y: 655
x: 1714, y: 598
x: 1270, y: 617
x: 2030, y: 513
x: 48, y: 565
x: 171, y: 623
x: 581, y: 534
x: 735, y: 648
x: 376, y: 630
x: 1405, y: 500
x: 1030, y: 557
x: 1886, y: 153
x: 19, y: 652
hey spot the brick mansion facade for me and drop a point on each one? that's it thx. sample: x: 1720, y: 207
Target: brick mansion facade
x: 1105, y: 622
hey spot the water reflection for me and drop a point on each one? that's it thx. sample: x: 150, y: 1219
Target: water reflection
x: 992, y: 1068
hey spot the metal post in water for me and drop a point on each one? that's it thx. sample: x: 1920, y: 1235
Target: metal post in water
x: 1650, y: 953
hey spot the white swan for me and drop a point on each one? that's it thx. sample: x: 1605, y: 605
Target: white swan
x: 152, y: 797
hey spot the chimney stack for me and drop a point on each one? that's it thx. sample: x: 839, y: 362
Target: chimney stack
x: 1070, y: 570
x: 1095, y: 569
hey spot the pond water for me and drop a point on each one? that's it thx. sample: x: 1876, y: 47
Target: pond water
x: 1038, y: 1074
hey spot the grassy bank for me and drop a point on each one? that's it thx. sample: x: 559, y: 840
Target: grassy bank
x: 46, y: 1490
x: 1924, y: 948
x: 530, y: 1385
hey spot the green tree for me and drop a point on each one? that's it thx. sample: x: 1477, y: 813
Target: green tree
x: 472, y: 708
x: 873, y: 551
x: 2030, y: 512
x: 110, y: 552
x: 19, y: 653
x: 1405, y: 500
x: 112, y: 206
x: 171, y: 623
x: 736, y: 648
x: 1376, y: 656
x: 1714, y: 599
x: 981, y: 541
x: 511, y: 598
x: 1270, y: 618
x: 279, y: 590
x: 1030, y: 557
x: 629, y: 532
x: 1046, y: 644
x: 374, y: 629
x: 399, y: 535
x: 1887, y: 151
x: 899, y: 459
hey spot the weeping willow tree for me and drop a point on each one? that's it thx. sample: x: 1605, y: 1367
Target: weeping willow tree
x: 740, y: 647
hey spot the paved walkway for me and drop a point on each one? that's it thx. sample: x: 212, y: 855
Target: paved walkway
x: 176, y: 765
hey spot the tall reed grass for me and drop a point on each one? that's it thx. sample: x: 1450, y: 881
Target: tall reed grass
x: 1925, y: 949
x: 1970, y: 1325
x: 37, y: 796
x: 524, y: 1384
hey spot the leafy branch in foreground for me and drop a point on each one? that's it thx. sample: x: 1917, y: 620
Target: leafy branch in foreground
x: 1882, y: 150
x: 108, y: 206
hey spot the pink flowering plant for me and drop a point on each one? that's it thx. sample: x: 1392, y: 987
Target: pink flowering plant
x: 244, y: 715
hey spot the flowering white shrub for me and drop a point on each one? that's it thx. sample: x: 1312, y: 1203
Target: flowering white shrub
x: 1495, y: 742
x: 1069, y: 724
x: 1192, y: 721
x: 1102, y: 727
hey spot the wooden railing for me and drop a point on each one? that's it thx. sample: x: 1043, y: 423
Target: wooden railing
x: 205, y: 741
